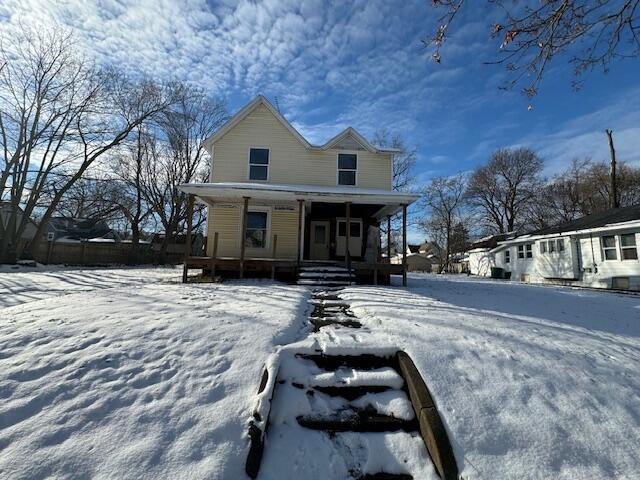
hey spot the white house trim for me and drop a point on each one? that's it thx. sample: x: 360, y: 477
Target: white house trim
x: 262, y: 100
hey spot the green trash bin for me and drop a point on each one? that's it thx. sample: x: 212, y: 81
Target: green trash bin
x: 496, y: 272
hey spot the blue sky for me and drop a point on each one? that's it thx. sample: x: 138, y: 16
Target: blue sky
x: 360, y: 63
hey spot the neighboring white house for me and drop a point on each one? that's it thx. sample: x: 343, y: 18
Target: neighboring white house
x: 420, y: 258
x: 599, y: 250
x: 480, y: 256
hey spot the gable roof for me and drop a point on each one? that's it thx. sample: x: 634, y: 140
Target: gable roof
x: 595, y: 220
x: 262, y: 100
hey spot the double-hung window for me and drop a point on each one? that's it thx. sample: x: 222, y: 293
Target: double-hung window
x: 347, y: 168
x: 560, y: 244
x: 609, y: 251
x: 628, y: 246
x: 551, y: 246
x: 529, y: 250
x: 520, y: 251
x: 259, y: 164
x: 543, y: 247
x: 507, y: 256
x: 256, y: 234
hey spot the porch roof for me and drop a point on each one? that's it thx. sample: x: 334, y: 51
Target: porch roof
x: 390, y: 201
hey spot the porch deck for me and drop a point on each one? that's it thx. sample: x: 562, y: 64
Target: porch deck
x: 273, y: 267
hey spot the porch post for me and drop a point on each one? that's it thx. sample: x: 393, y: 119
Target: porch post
x: 187, y: 240
x: 347, y: 254
x: 388, y: 238
x: 300, y: 207
x: 243, y: 234
x: 404, y: 245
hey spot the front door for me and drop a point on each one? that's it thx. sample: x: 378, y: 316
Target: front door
x: 319, y: 240
x: 355, y: 239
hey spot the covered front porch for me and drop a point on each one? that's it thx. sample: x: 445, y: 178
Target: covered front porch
x: 275, y: 230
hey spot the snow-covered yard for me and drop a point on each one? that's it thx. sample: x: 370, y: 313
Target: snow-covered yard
x: 118, y: 378
x: 136, y: 381
x: 532, y: 381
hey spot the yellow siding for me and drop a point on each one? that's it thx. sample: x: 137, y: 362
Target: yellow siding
x: 289, y: 160
x: 226, y: 220
x: 285, y: 225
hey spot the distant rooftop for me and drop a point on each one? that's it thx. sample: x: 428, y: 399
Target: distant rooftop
x: 595, y: 220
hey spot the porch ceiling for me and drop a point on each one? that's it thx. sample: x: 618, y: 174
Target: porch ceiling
x: 268, y: 194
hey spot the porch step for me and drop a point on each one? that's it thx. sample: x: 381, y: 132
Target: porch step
x: 314, y: 274
x: 322, y: 282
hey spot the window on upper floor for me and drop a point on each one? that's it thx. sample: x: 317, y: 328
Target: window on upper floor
x: 628, y: 246
x: 259, y: 164
x: 347, y: 168
x: 520, y: 251
x: 609, y: 251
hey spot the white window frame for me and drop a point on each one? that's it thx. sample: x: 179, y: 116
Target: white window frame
x: 560, y: 241
x: 521, y: 251
x: 543, y: 247
x: 352, y: 220
x: 346, y: 152
x: 603, y: 249
x: 507, y: 256
x: 249, y: 164
x: 623, y: 248
x: 267, y: 243
x: 528, y: 250
x: 551, y: 246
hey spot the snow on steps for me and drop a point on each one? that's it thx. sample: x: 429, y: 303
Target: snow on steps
x: 325, y: 276
x: 364, y: 416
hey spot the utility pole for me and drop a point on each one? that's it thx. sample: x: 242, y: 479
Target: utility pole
x: 613, y: 195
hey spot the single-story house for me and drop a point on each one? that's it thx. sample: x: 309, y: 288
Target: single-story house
x: 419, y: 257
x: 479, y: 255
x: 73, y: 230
x: 599, y: 250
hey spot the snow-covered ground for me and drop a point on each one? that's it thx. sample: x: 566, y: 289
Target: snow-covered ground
x: 25, y: 284
x: 126, y: 379
x: 135, y: 381
x: 532, y: 381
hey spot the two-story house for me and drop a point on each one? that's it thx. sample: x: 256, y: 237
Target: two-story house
x: 276, y: 201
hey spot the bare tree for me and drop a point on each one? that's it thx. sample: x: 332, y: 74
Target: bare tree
x: 531, y: 33
x: 92, y: 198
x: 403, y: 161
x: 58, y: 115
x: 129, y: 164
x: 179, y: 157
x: 443, y: 201
x: 501, y: 189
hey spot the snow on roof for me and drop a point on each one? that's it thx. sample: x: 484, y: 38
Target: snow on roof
x: 292, y: 192
x: 262, y: 100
